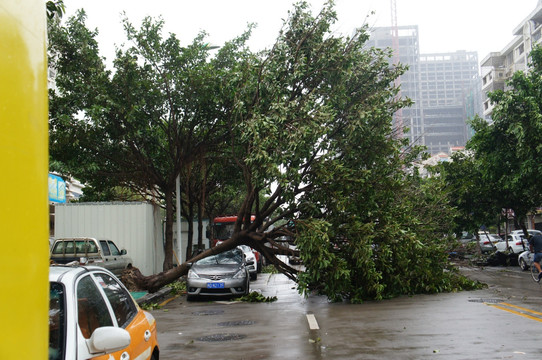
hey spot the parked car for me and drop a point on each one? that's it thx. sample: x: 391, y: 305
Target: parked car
x: 259, y: 260
x: 466, y: 238
x: 294, y: 259
x: 250, y: 256
x: 91, y: 251
x: 516, y: 241
x: 488, y: 241
x: 525, y: 259
x: 92, y: 315
x: 224, y: 274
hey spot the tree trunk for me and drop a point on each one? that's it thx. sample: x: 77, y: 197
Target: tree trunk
x: 168, y: 248
x: 135, y: 280
x: 190, y: 235
x: 201, y: 206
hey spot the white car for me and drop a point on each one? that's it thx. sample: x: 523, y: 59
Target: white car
x: 516, y: 241
x: 250, y: 256
x: 488, y: 241
x: 92, y: 315
x: 525, y: 260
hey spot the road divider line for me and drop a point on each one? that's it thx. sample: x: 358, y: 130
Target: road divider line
x: 313, y: 324
x: 522, y: 308
x: 515, y: 312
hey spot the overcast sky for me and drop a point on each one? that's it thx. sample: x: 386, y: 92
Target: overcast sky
x: 444, y: 26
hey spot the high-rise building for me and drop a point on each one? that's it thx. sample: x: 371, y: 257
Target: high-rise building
x: 498, y: 67
x: 445, y: 89
x: 449, y: 84
x: 408, y: 51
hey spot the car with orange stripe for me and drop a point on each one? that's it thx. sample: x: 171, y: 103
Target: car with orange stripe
x: 93, y: 316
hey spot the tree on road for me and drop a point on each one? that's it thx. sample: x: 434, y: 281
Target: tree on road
x: 308, y: 127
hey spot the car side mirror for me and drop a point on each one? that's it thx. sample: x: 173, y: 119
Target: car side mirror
x: 123, y: 252
x: 108, y: 339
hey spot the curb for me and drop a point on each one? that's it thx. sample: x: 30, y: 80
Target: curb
x: 154, y: 297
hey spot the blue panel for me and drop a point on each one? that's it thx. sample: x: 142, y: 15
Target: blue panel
x: 57, y: 189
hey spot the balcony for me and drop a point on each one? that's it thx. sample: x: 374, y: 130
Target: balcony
x: 494, y: 80
x: 488, y: 108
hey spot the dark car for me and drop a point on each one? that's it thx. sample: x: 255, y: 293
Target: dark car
x: 224, y: 274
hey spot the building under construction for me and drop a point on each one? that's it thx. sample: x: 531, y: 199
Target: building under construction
x: 445, y: 89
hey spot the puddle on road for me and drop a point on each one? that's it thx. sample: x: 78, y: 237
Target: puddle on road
x: 221, y: 337
x: 208, y: 312
x: 236, y: 323
x: 489, y: 301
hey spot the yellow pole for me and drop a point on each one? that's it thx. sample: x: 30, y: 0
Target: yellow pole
x: 23, y: 181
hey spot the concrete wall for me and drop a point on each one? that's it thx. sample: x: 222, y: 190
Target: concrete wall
x: 134, y: 226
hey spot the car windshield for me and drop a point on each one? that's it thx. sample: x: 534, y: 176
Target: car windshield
x: 56, y: 321
x: 228, y: 257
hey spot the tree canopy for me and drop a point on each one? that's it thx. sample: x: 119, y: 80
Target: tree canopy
x: 304, y: 130
x: 502, y: 170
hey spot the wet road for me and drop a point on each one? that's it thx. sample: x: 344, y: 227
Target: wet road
x: 501, y: 322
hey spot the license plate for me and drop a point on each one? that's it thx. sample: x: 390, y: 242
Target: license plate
x: 215, y: 285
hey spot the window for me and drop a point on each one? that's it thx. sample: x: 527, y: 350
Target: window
x: 91, y: 307
x: 120, y: 300
x: 86, y: 246
x: 105, y: 248
x: 61, y: 245
x: 114, y: 249
x: 57, y: 324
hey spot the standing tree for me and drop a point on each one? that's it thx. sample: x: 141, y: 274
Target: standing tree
x: 469, y: 193
x: 138, y: 127
x: 508, y: 150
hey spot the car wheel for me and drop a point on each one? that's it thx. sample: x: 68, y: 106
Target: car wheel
x: 154, y: 356
x: 254, y: 276
x: 523, y: 264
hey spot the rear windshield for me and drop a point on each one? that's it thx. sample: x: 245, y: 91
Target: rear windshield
x: 75, y: 247
x: 229, y: 257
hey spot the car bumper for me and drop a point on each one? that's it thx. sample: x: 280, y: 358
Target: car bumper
x: 197, y: 286
x: 252, y: 269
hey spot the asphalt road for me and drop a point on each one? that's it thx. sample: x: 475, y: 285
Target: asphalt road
x: 501, y: 322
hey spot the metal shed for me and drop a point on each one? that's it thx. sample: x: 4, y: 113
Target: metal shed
x: 134, y: 226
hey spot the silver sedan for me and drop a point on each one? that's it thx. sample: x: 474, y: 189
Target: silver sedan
x: 224, y: 274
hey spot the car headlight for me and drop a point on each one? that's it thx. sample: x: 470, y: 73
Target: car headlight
x: 192, y: 274
x: 240, y: 274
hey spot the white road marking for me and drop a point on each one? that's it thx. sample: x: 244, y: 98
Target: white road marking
x: 313, y: 324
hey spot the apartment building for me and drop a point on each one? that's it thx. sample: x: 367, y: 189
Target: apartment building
x: 498, y: 67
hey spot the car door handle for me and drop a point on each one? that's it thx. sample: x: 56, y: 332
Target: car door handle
x: 125, y: 356
x: 147, y: 335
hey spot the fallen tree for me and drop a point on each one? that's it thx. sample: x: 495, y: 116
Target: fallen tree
x: 309, y: 126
